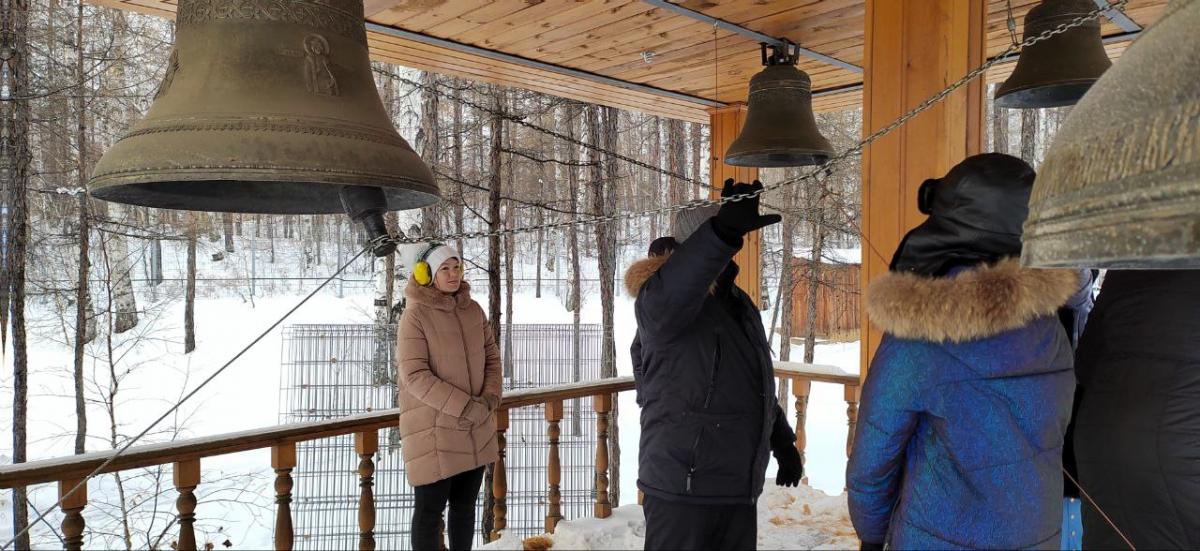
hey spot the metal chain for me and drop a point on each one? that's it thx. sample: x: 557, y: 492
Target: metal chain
x: 824, y: 169
x: 827, y: 168
x: 1011, y: 22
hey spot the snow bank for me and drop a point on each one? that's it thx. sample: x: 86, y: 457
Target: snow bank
x: 788, y: 518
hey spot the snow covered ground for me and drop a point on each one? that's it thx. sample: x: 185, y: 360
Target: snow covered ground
x: 788, y: 518
x: 236, y: 496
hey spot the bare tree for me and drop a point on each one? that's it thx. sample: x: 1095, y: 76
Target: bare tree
x: 14, y: 164
x: 787, y: 278
x: 697, y: 162
x: 82, y: 297
x: 497, y: 130
x: 429, y: 144
x: 676, y: 158
x: 1029, y: 131
x: 227, y: 223
x: 999, y: 128
x: 604, y: 185
x: 817, y: 229
x: 189, y: 307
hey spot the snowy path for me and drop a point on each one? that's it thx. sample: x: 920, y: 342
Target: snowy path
x: 788, y: 518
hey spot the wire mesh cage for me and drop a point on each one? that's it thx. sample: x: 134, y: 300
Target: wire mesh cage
x: 331, y: 371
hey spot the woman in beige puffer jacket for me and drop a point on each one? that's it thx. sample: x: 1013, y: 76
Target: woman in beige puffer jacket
x: 449, y: 389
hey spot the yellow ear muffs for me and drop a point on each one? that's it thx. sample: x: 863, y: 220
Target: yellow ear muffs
x: 422, y: 274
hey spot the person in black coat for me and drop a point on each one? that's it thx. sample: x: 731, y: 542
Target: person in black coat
x: 706, y: 384
x: 1137, y: 430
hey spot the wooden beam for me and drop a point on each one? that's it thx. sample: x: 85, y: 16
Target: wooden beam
x: 913, y: 50
x: 724, y: 125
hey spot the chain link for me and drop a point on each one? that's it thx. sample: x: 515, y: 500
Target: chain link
x: 825, y: 169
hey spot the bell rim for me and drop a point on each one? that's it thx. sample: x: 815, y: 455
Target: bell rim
x: 313, y: 196
x: 818, y: 158
x: 1014, y: 98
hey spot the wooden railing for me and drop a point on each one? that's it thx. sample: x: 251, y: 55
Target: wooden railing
x: 186, y: 456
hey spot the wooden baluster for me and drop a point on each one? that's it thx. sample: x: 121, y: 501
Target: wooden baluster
x: 187, y: 477
x: 554, y: 412
x: 852, y: 393
x: 365, y: 445
x: 603, y: 405
x: 283, y: 460
x: 800, y: 391
x: 72, y: 507
x: 500, y: 478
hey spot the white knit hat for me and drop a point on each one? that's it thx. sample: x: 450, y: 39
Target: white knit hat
x: 438, y: 255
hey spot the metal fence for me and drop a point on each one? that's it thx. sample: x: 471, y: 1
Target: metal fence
x: 331, y: 371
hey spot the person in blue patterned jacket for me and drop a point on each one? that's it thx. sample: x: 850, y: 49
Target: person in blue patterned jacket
x: 960, y: 437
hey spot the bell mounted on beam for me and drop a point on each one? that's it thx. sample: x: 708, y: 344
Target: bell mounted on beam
x: 269, y: 107
x: 780, y: 128
x: 1120, y: 186
x: 1059, y: 70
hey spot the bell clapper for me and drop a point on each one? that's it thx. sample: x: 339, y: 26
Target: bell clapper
x: 367, y: 204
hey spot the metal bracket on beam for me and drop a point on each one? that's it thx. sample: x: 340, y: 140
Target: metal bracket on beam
x: 1118, y: 17
x: 749, y: 33
x: 535, y: 64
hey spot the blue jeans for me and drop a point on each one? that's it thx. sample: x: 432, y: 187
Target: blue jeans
x: 1072, y: 530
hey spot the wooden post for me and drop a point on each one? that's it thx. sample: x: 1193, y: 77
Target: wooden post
x: 365, y: 445
x: 500, y: 478
x: 912, y: 51
x: 851, y: 394
x: 800, y: 391
x: 724, y: 124
x: 554, y: 412
x: 72, y: 506
x: 283, y: 460
x: 187, y: 477
x: 603, y: 405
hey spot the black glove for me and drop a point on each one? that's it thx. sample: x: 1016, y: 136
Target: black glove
x: 866, y: 546
x: 741, y: 217
x: 791, y: 469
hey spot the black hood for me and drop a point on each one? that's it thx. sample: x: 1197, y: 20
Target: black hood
x: 976, y: 212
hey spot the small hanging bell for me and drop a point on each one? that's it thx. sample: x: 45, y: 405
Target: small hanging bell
x: 267, y: 106
x: 1120, y: 186
x: 780, y: 128
x: 1059, y: 70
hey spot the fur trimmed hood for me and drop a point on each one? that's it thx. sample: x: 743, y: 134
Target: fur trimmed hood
x: 975, y: 304
x: 434, y: 298
x: 640, y: 272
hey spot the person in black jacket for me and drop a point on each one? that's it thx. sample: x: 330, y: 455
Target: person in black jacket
x: 705, y: 381
x: 1137, y: 431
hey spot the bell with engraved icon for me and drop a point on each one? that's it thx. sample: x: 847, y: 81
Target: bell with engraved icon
x: 267, y: 106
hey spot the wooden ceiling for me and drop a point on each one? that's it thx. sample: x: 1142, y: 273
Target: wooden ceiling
x: 609, y: 38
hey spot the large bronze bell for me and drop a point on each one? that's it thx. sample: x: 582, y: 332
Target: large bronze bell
x: 1059, y: 70
x: 267, y: 106
x: 780, y: 128
x: 1120, y: 186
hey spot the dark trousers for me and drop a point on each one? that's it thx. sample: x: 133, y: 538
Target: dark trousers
x: 461, y: 491
x: 671, y: 525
